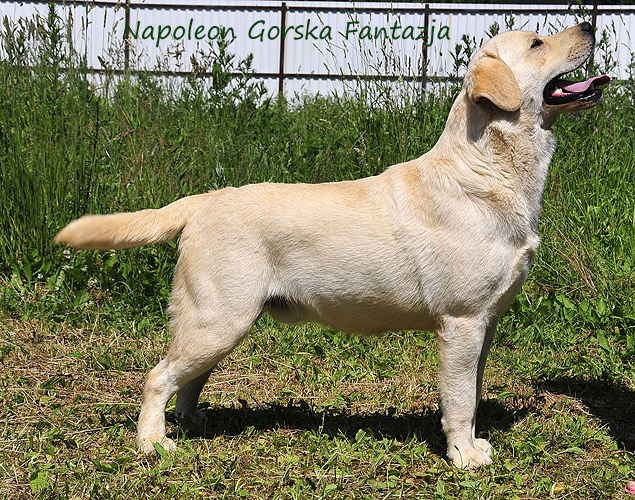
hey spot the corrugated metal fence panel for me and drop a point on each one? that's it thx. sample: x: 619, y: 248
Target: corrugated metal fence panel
x: 97, y: 27
x: 618, y: 56
x: 93, y: 28
x: 323, y: 39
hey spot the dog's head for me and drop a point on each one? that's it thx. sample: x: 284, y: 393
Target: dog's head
x: 523, y: 69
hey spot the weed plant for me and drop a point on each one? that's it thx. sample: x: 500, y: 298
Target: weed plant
x: 297, y: 411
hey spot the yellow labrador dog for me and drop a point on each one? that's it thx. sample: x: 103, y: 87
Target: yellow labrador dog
x: 442, y: 242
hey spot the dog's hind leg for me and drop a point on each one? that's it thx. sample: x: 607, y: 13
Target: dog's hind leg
x: 462, y: 352
x: 187, y: 401
x: 192, y: 355
x: 217, y: 296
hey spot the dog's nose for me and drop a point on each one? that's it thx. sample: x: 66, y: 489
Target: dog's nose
x: 586, y: 28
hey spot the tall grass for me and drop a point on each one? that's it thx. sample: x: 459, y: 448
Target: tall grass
x: 48, y: 148
x: 67, y: 148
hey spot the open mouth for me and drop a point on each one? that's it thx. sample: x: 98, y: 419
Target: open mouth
x: 559, y: 91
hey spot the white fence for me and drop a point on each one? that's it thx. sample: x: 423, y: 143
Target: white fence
x: 314, y: 47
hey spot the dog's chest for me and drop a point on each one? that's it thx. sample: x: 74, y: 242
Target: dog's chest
x: 473, y: 276
x: 518, y: 271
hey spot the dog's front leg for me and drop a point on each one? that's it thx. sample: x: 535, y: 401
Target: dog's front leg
x: 463, y: 346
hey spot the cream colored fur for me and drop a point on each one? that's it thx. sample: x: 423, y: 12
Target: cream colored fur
x: 442, y: 242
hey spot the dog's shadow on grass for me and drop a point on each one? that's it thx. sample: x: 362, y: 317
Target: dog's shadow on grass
x: 613, y: 404
x: 424, y: 426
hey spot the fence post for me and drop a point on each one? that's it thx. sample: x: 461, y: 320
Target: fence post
x: 594, y: 22
x: 126, y: 48
x: 283, y: 22
x: 424, y: 69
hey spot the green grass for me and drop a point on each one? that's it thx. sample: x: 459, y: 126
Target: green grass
x: 297, y: 411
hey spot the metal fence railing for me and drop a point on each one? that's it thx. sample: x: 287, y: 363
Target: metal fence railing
x: 316, y: 46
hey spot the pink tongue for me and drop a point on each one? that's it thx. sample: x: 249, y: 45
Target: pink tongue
x: 580, y: 87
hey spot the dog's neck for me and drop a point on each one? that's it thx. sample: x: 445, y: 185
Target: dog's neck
x: 503, y: 159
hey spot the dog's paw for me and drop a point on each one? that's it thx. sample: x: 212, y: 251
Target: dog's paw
x: 146, y: 444
x: 469, y: 458
x: 484, y: 446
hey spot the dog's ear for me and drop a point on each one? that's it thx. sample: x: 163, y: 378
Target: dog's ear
x: 490, y: 78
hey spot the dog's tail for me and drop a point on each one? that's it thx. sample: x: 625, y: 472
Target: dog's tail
x: 131, y: 229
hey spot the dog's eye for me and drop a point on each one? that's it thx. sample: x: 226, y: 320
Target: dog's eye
x: 537, y: 43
